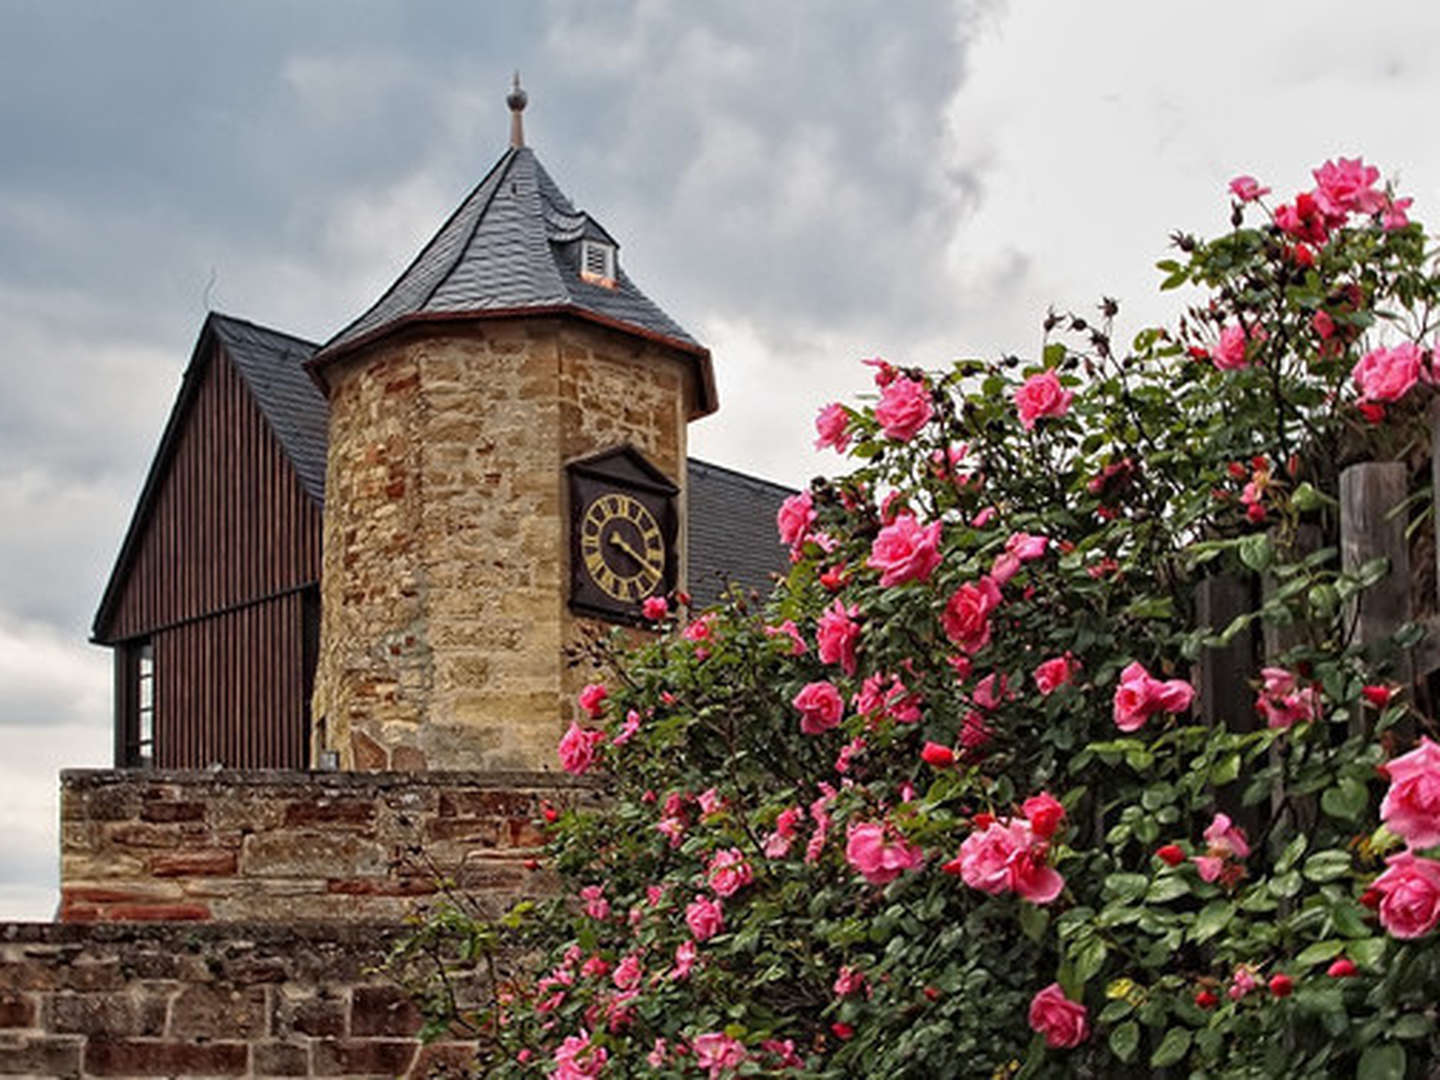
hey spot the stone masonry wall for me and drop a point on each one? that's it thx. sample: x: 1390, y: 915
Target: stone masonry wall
x: 212, y: 1000
x: 445, y: 550
x: 276, y: 846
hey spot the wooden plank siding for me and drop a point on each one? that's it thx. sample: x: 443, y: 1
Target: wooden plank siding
x: 218, y: 573
x: 230, y: 523
x: 230, y: 689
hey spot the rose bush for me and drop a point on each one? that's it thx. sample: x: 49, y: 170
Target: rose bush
x: 945, y: 804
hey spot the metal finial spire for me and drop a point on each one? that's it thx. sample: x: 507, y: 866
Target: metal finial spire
x: 516, y: 99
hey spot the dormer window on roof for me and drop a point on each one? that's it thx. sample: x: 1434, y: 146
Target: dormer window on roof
x: 597, y: 263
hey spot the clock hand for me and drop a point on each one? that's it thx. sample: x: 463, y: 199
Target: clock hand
x: 624, y: 545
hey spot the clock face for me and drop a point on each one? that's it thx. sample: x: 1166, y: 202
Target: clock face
x: 622, y: 547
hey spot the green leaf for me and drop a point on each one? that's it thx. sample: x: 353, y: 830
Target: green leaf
x: 1125, y: 1040
x: 1089, y: 959
x: 1172, y: 1048
x: 1033, y: 921
x: 1226, y: 770
x: 1369, y: 953
x: 1127, y: 886
x: 1327, y: 865
x: 1291, y: 855
x: 1412, y: 1026
x: 1346, y: 801
x: 1320, y: 952
x: 1382, y: 1063
x: 1167, y: 888
x: 1256, y: 551
x: 1213, y: 918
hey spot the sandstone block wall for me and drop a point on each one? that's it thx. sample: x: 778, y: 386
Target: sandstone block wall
x: 276, y: 845
x: 445, y: 574
x: 216, y: 1000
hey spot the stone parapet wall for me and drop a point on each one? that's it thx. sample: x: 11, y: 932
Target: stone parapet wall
x: 213, y: 1000
x: 277, y: 846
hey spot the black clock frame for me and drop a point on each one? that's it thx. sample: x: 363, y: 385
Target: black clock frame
x: 624, y: 471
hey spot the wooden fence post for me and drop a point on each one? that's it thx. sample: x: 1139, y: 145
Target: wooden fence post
x: 1369, y: 529
x: 1223, y: 677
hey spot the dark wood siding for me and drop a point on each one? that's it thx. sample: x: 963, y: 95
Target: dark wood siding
x: 230, y: 523
x: 231, y: 689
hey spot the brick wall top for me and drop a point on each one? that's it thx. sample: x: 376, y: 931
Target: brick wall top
x: 81, y: 779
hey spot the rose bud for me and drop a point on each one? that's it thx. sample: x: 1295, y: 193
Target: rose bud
x: 1281, y: 985
x: 1170, y: 855
x: 842, y: 1030
x: 1371, y: 898
x: 1205, y: 999
x: 1379, y: 696
x: 983, y: 820
x: 937, y: 756
x: 1342, y: 968
x: 548, y: 812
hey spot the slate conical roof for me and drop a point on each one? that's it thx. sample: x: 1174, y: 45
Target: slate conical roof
x: 513, y: 248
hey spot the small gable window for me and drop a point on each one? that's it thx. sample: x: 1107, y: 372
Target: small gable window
x: 597, y: 263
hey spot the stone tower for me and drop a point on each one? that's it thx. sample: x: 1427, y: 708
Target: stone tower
x: 513, y: 345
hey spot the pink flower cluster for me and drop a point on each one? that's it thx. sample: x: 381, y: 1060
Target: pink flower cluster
x: 1009, y: 854
x: 1225, y: 841
x: 1409, y: 888
x: 1140, y: 695
x: 1283, y: 702
x: 576, y: 1059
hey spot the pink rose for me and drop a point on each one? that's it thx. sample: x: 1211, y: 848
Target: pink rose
x: 1411, y: 808
x: 627, y: 973
x: 576, y: 1059
x: 1226, y: 838
x: 904, y: 408
x: 592, y: 699
x: 577, y: 748
x: 1346, y: 187
x: 879, y: 853
x: 717, y: 1052
x: 1247, y: 188
x: 991, y: 691
x: 628, y: 729
x: 685, y: 956
x: 1042, y: 395
x: 790, y: 630
x: 1409, y: 895
x: 836, y: 634
x: 1053, y: 674
x: 1388, y: 374
x: 596, y: 906
x: 1282, y: 703
x: 905, y: 552
x: 794, y: 518
x: 1229, y: 354
x: 1063, y: 1022
x: 967, y: 614
x: 849, y: 981
x: 833, y: 426
x: 821, y: 707
x: 655, y: 608
x: 704, y: 917
x: 1394, y: 216
x: 1241, y: 983
x: 729, y: 872
x: 1139, y: 695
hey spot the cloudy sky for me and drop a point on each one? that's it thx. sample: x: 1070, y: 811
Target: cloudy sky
x: 799, y: 183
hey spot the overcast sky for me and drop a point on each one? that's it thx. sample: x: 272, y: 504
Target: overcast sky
x: 798, y: 184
